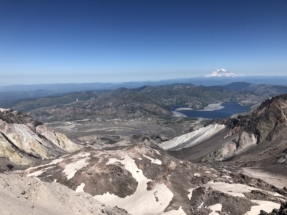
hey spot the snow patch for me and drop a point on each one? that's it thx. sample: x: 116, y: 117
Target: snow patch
x: 81, y: 155
x: 200, y: 206
x: 175, y: 212
x: 48, y: 164
x: 278, y: 195
x: 190, y: 193
x: 226, y: 176
x: 155, y: 161
x: 262, y: 205
x: 231, y: 189
x: 39, y: 172
x: 137, y: 202
x: 214, y: 208
x: 71, y: 169
x: 35, y: 174
x: 80, y: 188
x: 56, y: 161
x: 156, y: 151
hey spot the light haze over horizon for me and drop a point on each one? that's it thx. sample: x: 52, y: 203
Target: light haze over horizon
x: 60, y: 41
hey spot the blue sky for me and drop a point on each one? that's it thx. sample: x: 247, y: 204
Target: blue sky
x: 56, y: 41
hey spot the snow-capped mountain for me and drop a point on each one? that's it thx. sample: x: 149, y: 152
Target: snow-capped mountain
x: 223, y: 73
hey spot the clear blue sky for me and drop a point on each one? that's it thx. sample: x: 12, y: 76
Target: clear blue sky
x: 57, y: 41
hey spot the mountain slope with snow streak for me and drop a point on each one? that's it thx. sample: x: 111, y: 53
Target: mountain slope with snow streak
x: 257, y: 139
x: 193, y: 138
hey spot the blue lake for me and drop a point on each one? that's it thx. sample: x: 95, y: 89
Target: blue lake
x: 228, y: 110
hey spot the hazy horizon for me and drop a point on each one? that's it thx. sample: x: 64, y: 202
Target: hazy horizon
x: 46, y: 42
x: 234, y: 79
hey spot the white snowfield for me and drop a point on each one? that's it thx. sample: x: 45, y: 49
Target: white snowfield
x: 214, y: 208
x: 80, y: 188
x: 143, y: 201
x: 193, y: 138
x: 262, y: 205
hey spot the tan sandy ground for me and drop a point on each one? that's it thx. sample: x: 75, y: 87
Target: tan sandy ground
x: 24, y: 195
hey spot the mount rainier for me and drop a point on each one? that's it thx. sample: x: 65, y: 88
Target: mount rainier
x: 223, y: 73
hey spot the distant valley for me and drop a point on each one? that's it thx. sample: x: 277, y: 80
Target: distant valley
x: 109, y: 116
x: 140, y: 102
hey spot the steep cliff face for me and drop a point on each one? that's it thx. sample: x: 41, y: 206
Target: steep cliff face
x: 23, y: 139
x: 265, y: 126
x: 262, y: 133
x: 269, y: 118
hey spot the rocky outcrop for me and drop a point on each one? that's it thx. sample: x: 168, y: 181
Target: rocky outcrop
x: 24, y: 140
x: 233, y: 146
x: 268, y: 119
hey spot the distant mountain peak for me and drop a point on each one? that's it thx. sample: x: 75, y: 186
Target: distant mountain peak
x: 223, y: 73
